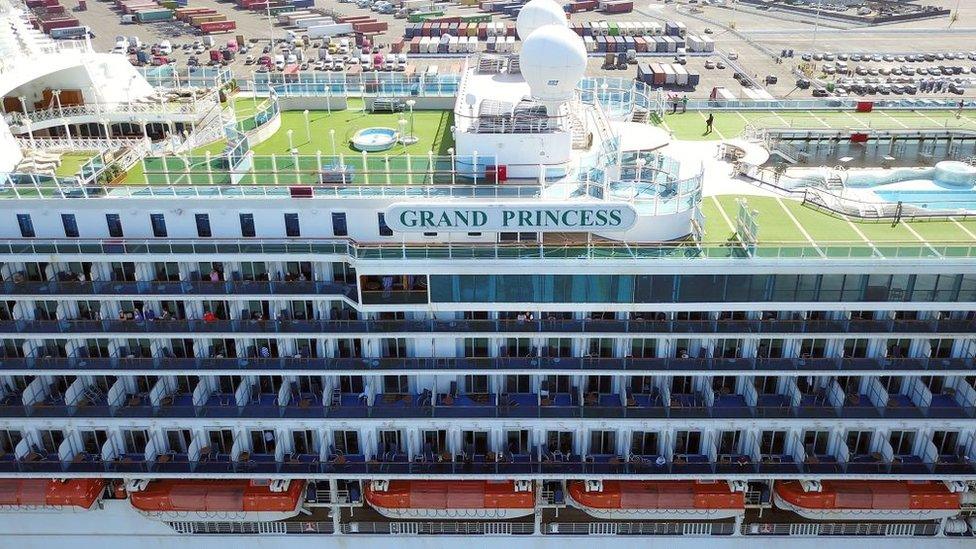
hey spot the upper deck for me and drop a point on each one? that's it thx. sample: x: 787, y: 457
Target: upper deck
x: 270, y: 150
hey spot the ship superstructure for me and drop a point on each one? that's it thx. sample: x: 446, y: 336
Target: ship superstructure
x: 556, y: 328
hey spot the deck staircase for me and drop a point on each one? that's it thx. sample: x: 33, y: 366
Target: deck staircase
x: 641, y: 115
x: 834, y: 181
x: 789, y: 153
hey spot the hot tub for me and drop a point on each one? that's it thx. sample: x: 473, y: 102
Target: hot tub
x: 955, y: 174
x: 374, y: 139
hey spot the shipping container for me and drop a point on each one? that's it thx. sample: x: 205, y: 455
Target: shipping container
x: 152, y: 16
x: 694, y: 78
x: 216, y: 27
x: 680, y: 75
x: 644, y: 73
x: 285, y: 18
x: 70, y: 33
x: 328, y: 31
x: 196, y: 20
x: 183, y: 14
x: 48, y: 26
x: 371, y: 27
x: 660, y: 76
x: 669, y: 74
x: 314, y: 22
x: 640, y: 43
x: 618, y: 6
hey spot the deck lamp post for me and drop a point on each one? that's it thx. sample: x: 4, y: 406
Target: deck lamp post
x: 410, y: 139
x: 291, y: 144
x: 332, y: 139
x: 403, y: 138
x: 640, y: 166
x: 308, y: 129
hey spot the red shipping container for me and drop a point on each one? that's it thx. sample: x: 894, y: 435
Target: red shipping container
x: 214, y: 27
x: 640, y: 44
x: 482, y: 31
x: 415, y: 44
x: 47, y: 26
x: 396, y: 47
x: 370, y: 27
x: 619, y: 7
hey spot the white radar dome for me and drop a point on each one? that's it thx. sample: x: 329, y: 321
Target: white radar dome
x: 553, y: 61
x: 536, y: 14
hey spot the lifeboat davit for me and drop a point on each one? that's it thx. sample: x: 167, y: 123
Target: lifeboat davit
x: 868, y: 500
x: 39, y: 493
x: 238, y: 499
x: 465, y: 499
x: 674, y: 500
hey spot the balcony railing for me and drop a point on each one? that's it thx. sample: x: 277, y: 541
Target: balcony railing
x: 621, y: 469
x: 640, y: 328
x: 487, y: 411
x: 162, y: 288
x: 382, y: 366
x: 498, y: 251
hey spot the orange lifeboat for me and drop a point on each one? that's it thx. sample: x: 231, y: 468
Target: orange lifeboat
x: 35, y: 493
x: 238, y: 499
x: 868, y: 500
x: 657, y: 500
x: 450, y: 499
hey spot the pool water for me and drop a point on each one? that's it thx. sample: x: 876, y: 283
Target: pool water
x: 936, y: 200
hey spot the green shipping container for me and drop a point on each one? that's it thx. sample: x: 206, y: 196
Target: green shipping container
x: 154, y: 15
x: 168, y: 4
x: 418, y: 17
x: 614, y: 30
x: 486, y: 18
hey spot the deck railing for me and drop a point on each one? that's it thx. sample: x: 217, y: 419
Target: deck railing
x: 603, y: 251
x: 287, y: 290
x: 534, y: 412
x: 379, y: 366
x: 704, y: 470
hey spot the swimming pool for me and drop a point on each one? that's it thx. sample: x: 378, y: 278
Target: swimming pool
x: 933, y: 200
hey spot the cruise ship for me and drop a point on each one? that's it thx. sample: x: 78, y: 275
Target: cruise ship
x: 510, y: 301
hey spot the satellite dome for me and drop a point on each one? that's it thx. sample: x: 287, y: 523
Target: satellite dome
x: 553, y: 61
x: 536, y: 14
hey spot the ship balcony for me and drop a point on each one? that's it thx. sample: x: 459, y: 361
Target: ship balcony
x: 40, y: 361
x: 400, y: 405
x: 202, y: 288
x: 263, y: 455
x: 286, y: 323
